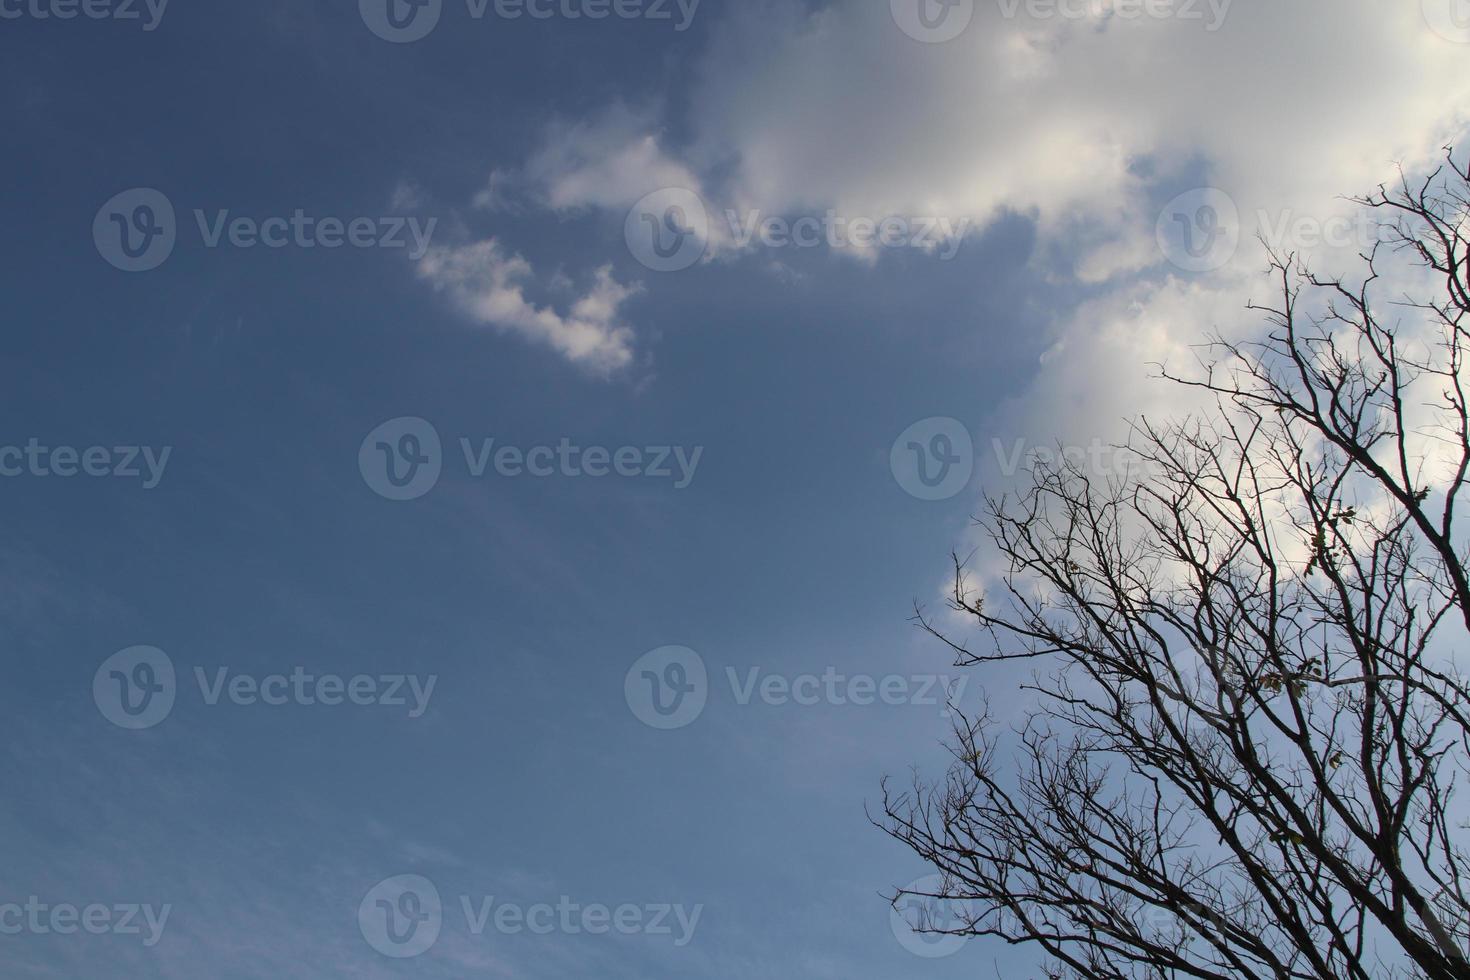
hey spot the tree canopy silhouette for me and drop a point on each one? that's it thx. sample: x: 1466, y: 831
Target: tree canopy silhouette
x: 1248, y: 720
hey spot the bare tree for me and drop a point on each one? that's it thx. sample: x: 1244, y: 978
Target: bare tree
x: 1248, y: 723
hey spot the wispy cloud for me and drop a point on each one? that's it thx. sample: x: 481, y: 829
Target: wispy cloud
x: 489, y: 285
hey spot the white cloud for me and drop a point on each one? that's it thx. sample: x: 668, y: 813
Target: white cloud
x: 1088, y: 124
x: 489, y: 286
x: 609, y: 162
x: 1287, y: 106
x: 1079, y: 121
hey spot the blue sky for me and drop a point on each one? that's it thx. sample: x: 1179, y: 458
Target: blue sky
x: 265, y: 547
